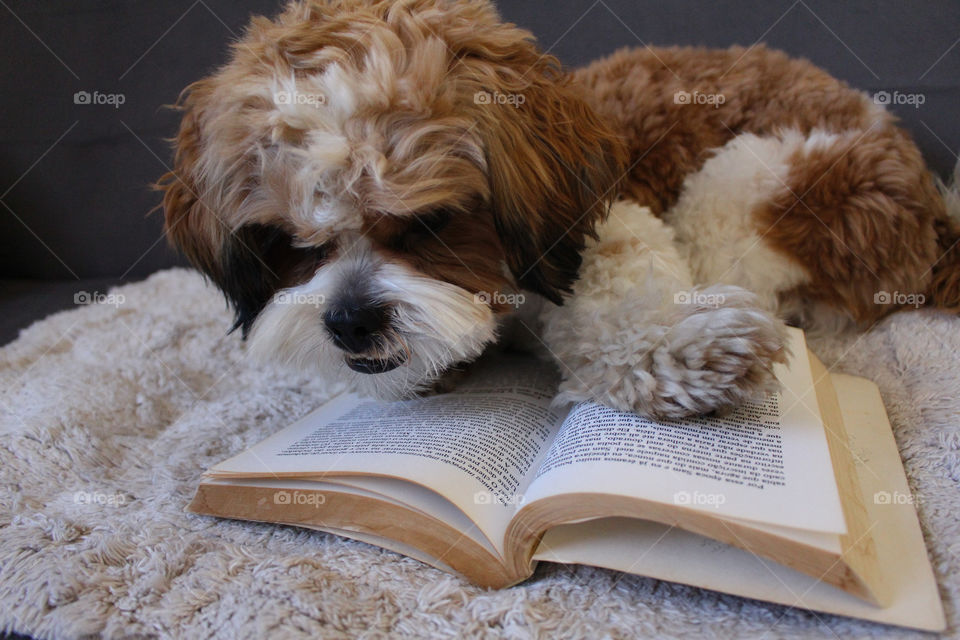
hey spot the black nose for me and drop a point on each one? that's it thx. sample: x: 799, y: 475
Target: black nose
x: 354, y: 330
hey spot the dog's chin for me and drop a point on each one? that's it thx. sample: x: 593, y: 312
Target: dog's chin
x: 402, y: 375
x: 375, y: 365
x: 406, y: 373
x: 403, y: 372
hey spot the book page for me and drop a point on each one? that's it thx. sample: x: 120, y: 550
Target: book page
x: 407, y: 494
x: 477, y: 447
x: 659, y: 551
x: 767, y: 462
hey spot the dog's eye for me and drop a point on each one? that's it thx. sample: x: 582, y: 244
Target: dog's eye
x: 308, y: 247
x: 322, y: 252
x: 423, y: 228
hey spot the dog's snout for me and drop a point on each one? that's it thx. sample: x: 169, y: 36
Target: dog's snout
x: 354, y: 330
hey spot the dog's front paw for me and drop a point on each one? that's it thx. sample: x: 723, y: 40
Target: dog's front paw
x: 711, y: 349
x: 718, y: 354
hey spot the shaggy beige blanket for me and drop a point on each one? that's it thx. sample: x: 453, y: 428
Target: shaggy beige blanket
x: 109, y: 414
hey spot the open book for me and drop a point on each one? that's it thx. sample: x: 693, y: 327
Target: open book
x: 800, y: 499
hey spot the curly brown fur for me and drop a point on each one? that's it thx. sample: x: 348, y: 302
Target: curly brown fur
x: 376, y: 185
x: 346, y: 152
x: 861, y: 216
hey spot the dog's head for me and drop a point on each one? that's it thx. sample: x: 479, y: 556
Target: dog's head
x: 368, y: 182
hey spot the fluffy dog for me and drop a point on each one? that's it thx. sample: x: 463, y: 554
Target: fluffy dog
x: 377, y: 185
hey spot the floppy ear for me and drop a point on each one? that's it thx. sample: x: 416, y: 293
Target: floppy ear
x: 254, y: 260
x: 245, y: 262
x: 190, y: 225
x: 553, y: 168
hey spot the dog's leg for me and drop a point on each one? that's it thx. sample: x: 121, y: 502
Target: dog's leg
x: 636, y: 336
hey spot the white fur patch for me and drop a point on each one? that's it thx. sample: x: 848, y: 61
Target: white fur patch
x: 635, y: 335
x: 714, y: 221
x: 437, y: 324
x: 635, y: 245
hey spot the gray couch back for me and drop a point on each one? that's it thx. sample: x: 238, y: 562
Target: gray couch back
x: 74, y: 175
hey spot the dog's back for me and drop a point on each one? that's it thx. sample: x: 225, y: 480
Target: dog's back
x: 781, y: 178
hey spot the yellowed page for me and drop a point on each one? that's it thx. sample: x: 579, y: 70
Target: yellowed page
x: 766, y: 463
x: 477, y: 447
x: 400, y: 492
x: 658, y: 551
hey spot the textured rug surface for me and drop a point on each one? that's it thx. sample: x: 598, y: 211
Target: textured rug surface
x: 109, y: 414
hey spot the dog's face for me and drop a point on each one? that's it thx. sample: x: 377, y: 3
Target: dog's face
x: 366, y: 180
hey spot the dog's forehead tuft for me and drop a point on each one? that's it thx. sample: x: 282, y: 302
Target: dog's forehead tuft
x: 324, y: 139
x: 333, y: 217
